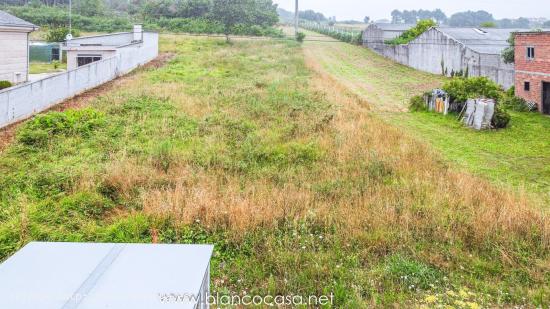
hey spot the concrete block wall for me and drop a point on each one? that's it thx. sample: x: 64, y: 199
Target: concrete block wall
x: 435, y: 52
x: 23, y: 101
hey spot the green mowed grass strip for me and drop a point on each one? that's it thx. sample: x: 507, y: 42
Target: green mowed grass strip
x: 242, y: 121
x: 518, y: 156
x: 44, y: 67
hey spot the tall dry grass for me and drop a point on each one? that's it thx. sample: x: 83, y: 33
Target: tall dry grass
x: 399, y: 188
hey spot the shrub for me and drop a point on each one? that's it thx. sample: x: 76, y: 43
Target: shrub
x: 511, y: 102
x: 340, y: 35
x: 56, y: 17
x: 59, y: 34
x: 300, y: 36
x: 357, y: 39
x: 411, y: 34
x: 461, y: 89
x: 501, y: 118
x: 417, y: 104
x: 204, y: 25
x: 37, y: 131
x: 5, y: 84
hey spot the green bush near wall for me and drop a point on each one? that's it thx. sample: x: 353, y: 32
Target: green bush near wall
x: 5, y: 84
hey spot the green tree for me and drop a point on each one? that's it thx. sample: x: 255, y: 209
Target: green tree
x: 366, y: 20
x: 193, y: 8
x: 470, y: 19
x: 263, y: 13
x: 508, y: 55
x: 312, y: 15
x: 90, y: 7
x: 231, y: 13
x: 546, y: 24
x: 59, y: 34
x: 488, y: 24
x: 160, y: 8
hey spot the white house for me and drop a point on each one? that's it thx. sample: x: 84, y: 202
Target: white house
x: 84, y: 50
x: 14, y: 48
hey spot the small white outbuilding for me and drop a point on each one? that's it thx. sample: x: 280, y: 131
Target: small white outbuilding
x: 14, y: 48
x: 85, y: 50
x: 102, y: 275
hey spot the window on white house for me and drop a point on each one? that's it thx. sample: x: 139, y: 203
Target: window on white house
x: 527, y: 86
x: 530, y: 53
x: 87, y: 59
x: 55, y: 54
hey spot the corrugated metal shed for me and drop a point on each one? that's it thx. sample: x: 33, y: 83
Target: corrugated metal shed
x: 44, y: 52
x: 93, y: 276
x: 481, y: 40
x: 7, y: 19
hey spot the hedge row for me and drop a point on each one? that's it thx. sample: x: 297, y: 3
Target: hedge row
x: 347, y: 37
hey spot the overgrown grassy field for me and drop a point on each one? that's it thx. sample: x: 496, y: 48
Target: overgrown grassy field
x: 517, y: 157
x: 253, y: 148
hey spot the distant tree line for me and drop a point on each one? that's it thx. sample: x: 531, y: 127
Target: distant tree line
x: 247, y: 17
x: 461, y: 19
x: 312, y: 16
x: 412, y: 17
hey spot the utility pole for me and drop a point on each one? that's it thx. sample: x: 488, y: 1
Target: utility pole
x: 70, y: 16
x: 296, y: 15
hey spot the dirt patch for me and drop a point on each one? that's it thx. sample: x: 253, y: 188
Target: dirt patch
x: 160, y: 61
x: 7, y: 134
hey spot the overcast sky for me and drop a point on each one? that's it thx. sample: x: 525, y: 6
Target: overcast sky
x: 378, y: 9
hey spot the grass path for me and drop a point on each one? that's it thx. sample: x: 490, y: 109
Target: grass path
x: 386, y: 85
x: 517, y: 157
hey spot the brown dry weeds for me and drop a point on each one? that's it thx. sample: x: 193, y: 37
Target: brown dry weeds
x: 422, y: 198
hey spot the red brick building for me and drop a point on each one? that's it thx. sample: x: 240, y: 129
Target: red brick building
x: 533, y: 68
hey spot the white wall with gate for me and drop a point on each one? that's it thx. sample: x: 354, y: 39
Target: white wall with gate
x: 23, y: 101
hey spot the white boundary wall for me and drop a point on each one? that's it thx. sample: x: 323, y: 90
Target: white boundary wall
x: 23, y: 101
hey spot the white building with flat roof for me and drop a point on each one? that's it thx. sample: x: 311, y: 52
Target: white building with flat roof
x: 104, y: 275
x: 88, y: 49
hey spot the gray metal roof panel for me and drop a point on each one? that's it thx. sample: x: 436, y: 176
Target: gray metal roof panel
x: 85, y: 275
x: 7, y: 19
x: 482, y: 40
x: 394, y: 27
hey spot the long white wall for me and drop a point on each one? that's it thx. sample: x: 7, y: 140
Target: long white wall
x: 435, y: 53
x: 23, y: 101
